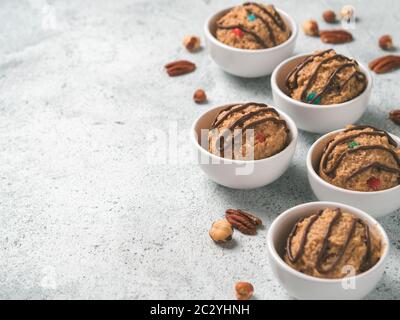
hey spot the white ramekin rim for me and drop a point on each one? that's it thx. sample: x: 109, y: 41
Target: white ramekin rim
x: 277, y: 90
x: 323, y: 204
x: 293, y: 132
x: 216, y: 42
x: 314, y: 174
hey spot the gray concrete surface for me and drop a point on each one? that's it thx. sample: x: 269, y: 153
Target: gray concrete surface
x: 92, y: 203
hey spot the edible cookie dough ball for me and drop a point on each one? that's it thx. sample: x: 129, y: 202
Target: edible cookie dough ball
x: 332, y: 244
x: 248, y: 131
x: 252, y: 26
x: 361, y: 158
x: 326, y: 78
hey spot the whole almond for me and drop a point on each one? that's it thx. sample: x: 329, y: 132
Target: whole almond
x: 385, y: 42
x: 329, y: 16
x: 199, y: 96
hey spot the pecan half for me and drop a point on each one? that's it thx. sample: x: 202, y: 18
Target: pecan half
x: 395, y: 116
x: 385, y: 64
x: 179, y: 67
x: 243, y: 221
x: 335, y: 36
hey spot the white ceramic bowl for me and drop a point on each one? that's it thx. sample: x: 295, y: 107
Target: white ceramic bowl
x: 241, y: 174
x: 302, y: 286
x: 317, y: 118
x: 248, y: 63
x: 376, y: 203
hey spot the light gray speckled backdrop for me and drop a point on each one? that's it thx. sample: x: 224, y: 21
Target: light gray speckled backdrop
x: 83, y: 91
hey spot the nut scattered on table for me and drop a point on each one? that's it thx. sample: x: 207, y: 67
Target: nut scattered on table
x: 335, y: 36
x: 244, y: 290
x: 385, y: 64
x: 199, y: 96
x: 191, y: 43
x: 310, y: 28
x: 395, y: 116
x: 386, y: 42
x: 347, y: 12
x: 179, y: 67
x: 221, y: 231
x: 329, y: 16
x: 245, y: 222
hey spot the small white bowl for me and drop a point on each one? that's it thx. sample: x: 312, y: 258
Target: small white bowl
x: 302, y: 286
x: 241, y: 174
x: 376, y: 203
x: 243, y: 62
x: 317, y: 118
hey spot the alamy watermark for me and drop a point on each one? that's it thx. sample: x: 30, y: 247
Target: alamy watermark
x: 228, y: 147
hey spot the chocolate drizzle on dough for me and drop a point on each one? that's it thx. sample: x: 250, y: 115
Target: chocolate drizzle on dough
x: 303, y: 238
x: 275, y: 17
x: 325, y: 242
x: 266, y: 24
x: 239, y: 26
x: 332, y: 144
x: 361, y: 127
x: 227, y: 138
x: 323, y: 253
x: 313, y: 76
x: 231, y: 110
x: 332, y: 82
x: 373, y: 165
x: 340, y: 158
x: 295, y: 72
x: 366, y: 261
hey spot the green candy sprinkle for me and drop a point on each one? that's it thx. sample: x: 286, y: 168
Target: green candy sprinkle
x: 352, y: 144
x: 311, y: 96
x: 251, y: 17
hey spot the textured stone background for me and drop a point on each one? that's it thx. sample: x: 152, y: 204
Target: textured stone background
x: 92, y: 203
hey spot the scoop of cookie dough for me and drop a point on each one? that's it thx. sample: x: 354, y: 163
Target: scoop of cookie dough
x: 326, y: 78
x: 332, y: 244
x: 248, y: 131
x: 252, y: 26
x: 361, y: 158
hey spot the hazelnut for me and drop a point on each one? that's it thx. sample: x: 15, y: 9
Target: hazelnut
x: 385, y: 42
x: 221, y: 231
x: 191, y: 43
x: 347, y: 12
x: 310, y: 27
x: 199, y: 96
x: 244, y: 290
x: 394, y: 115
x: 329, y: 16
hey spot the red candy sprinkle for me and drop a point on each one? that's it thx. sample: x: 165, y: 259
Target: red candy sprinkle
x: 374, y: 183
x: 260, y: 137
x: 238, y: 32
